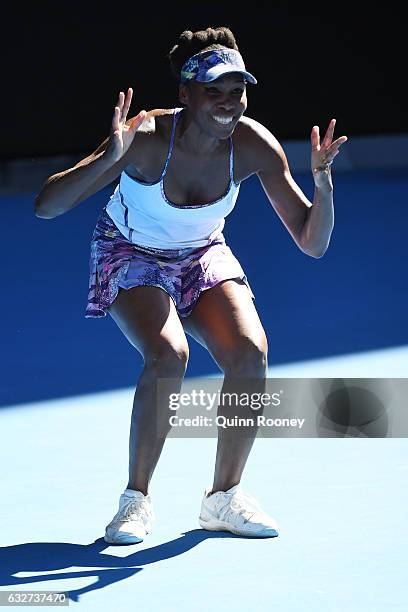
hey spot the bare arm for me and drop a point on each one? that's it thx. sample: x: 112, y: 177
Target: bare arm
x: 317, y: 229
x: 63, y: 191
x: 286, y: 197
x: 309, y: 223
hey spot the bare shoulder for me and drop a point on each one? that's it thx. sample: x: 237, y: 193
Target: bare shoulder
x: 151, y: 133
x: 259, y: 145
x: 155, y: 119
x: 153, y: 124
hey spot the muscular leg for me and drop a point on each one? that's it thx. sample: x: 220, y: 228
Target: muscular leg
x: 149, y: 320
x: 226, y: 322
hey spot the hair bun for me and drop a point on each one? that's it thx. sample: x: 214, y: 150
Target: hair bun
x: 190, y: 43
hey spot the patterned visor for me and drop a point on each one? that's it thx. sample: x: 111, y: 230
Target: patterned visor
x: 210, y: 65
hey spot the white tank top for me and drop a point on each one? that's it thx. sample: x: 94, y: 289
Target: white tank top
x: 144, y: 215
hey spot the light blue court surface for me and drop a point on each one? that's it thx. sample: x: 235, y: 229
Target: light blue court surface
x: 340, y: 503
x: 66, y: 393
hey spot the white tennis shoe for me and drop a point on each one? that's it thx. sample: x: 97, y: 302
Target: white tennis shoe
x: 132, y: 521
x: 237, y: 512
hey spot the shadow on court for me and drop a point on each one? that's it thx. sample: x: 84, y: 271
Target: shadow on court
x: 52, y: 556
x: 356, y: 294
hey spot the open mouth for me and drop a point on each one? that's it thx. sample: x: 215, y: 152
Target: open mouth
x: 225, y: 121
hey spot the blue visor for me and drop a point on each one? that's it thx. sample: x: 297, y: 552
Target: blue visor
x: 210, y: 65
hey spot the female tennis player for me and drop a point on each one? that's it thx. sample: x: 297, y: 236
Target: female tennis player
x: 160, y: 265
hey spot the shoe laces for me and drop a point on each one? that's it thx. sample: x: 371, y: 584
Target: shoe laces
x: 239, y: 504
x: 135, y: 509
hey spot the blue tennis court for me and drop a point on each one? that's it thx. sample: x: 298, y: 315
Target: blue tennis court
x: 66, y: 398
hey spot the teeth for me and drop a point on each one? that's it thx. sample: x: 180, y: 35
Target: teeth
x: 223, y: 120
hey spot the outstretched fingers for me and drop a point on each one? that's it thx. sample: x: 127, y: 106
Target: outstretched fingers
x: 329, y: 134
x: 115, y: 120
x: 137, y: 121
x: 315, y: 138
x: 339, y: 141
x: 333, y: 149
x: 126, y: 104
x: 146, y: 115
x: 158, y: 111
x: 121, y: 98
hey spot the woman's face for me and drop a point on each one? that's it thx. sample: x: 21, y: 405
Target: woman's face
x: 216, y: 106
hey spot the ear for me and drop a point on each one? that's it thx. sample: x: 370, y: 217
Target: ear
x: 183, y: 93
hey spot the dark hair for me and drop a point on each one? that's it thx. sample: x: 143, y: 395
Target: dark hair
x: 190, y: 43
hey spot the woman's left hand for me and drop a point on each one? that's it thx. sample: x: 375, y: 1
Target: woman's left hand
x: 323, y: 154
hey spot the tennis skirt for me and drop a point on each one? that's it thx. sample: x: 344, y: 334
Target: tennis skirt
x: 116, y: 263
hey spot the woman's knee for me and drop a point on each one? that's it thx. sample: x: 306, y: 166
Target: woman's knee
x: 247, y: 359
x: 167, y: 359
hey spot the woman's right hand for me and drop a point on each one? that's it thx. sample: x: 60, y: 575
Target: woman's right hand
x: 122, y: 133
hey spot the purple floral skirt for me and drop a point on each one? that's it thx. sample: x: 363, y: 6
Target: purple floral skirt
x: 116, y: 263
